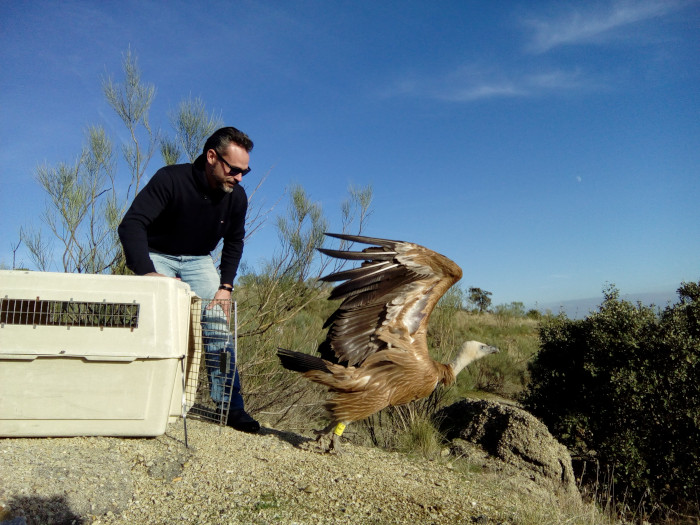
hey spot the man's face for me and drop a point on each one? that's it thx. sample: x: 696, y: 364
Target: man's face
x: 219, y: 172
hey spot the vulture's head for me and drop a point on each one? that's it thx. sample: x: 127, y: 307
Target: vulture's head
x: 471, y: 351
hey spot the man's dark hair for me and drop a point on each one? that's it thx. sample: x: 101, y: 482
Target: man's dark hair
x: 221, y: 138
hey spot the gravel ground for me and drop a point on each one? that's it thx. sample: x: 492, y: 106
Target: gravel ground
x: 231, y: 477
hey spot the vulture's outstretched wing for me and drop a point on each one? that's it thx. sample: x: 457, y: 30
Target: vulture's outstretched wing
x: 387, y: 300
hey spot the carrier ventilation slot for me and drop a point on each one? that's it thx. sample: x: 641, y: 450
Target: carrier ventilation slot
x: 69, y: 313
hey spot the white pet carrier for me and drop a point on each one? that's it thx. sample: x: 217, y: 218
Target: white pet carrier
x: 94, y: 354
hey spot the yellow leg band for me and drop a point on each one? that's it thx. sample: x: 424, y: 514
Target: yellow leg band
x: 339, y: 429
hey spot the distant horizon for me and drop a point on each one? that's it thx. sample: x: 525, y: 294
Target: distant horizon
x: 580, y: 308
x: 572, y: 308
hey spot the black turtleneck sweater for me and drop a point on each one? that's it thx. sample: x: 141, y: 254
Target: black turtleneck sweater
x: 178, y: 213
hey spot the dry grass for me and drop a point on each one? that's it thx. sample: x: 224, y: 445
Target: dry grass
x: 284, y: 397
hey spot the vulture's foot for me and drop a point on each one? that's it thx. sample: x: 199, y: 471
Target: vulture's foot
x: 331, y: 435
x: 324, y: 439
x: 334, y: 445
x: 321, y: 440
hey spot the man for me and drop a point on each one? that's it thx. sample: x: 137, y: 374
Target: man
x: 173, y: 225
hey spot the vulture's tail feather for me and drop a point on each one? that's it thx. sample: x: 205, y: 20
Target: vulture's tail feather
x: 300, y: 362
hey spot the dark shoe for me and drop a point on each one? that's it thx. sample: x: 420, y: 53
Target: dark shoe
x: 240, y: 420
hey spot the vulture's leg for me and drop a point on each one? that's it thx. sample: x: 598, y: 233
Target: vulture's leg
x: 334, y: 445
x: 334, y: 430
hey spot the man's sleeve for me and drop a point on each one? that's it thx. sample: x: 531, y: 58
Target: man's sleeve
x: 233, y: 242
x: 147, y: 205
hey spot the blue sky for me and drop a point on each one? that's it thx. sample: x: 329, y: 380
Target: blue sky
x: 547, y: 147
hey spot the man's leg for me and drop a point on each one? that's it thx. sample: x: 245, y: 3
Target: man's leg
x: 168, y: 265
x: 200, y: 273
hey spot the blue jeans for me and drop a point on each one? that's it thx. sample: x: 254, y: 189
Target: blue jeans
x: 200, y: 273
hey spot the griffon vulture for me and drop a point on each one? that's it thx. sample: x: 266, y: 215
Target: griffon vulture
x: 376, y: 352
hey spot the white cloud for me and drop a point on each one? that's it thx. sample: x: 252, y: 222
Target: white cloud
x: 471, y: 83
x: 528, y: 76
x: 594, y: 24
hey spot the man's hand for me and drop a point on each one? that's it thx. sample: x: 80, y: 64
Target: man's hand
x: 223, y: 299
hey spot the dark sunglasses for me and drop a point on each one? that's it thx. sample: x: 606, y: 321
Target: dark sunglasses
x: 233, y: 169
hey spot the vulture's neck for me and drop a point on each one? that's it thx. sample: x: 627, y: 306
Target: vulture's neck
x: 462, y: 360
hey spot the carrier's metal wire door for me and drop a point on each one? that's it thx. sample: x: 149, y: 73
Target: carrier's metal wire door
x: 211, y: 361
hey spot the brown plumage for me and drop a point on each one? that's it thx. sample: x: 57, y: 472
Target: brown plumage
x: 376, y: 352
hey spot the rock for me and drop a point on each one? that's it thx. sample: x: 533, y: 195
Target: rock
x: 512, y: 435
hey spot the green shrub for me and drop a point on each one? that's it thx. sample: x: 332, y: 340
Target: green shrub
x: 621, y: 388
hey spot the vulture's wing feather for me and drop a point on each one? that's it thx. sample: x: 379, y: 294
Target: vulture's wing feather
x: 373, y: 253
x: 362, y: 239
x: 366, y: 270
x: 365, y: 289
x: 386, y: 300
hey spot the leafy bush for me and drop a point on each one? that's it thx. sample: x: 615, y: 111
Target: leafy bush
x: 620, y: 387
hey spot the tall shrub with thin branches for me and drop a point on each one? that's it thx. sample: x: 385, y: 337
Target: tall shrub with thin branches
x: 87, y: 198
x: 81, y: 212
x: 131, y: 101
x: 193, y: 126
